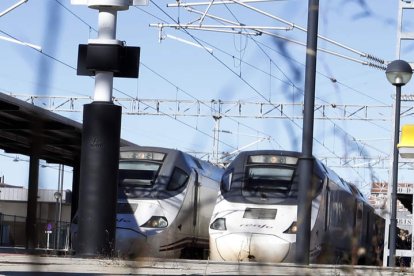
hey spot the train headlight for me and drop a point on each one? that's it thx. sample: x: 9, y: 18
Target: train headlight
x: 219, y: 224
x: 156, y: 222
x: 293, y: 228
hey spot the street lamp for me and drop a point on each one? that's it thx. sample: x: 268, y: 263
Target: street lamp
x: 58, y: 197
x: 398, y: 73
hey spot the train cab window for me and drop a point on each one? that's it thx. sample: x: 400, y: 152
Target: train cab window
x: 270, y: 173
x: 226, y: 180
x: 269, y: 178
x: 178, y: 179
x: 134, y: 173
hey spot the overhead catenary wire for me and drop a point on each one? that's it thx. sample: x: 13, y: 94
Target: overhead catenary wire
x: 152, y: 16
x: 74, y: 68
x: 18, y: 4
x: 63, y: 63
x: 251, y: 65
x: 290, y: 82
x: 198, y: 130
x: 75, y: 15
x: 212, y: 109
x: 220, y: 2
x: 353, y: 139
x: 362, y: 54
x: 254, y: 89
x: 185, y: 93
x: 248, y: 84
x: 378, y: 63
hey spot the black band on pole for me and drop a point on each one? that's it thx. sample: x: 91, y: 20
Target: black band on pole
x: 98, y: 179
x: 123, y: 61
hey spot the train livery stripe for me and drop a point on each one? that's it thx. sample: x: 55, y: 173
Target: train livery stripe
x: 133, y: 230
x: 188, y: 241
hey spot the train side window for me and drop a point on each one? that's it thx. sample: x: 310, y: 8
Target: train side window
x: 317, y: 184
x: 226, y: 180
x: 178, y: 179
x: 198, y: 164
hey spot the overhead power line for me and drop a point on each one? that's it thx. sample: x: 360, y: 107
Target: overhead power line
x: 243, y: 80
x: 373, y: 61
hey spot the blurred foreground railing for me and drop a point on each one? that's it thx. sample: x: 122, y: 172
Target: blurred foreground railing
x: 49, y: 234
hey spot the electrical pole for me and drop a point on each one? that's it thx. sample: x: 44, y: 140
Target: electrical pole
x: 306, y: 160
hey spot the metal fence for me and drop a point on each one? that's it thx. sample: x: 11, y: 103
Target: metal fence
x: 49, y: 234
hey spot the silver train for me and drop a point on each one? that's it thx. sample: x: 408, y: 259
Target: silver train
x: 256, y: 211
x: 165, y: 202
x: 166, y: 198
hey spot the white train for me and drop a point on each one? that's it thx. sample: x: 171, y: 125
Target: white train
x: 255, y: 215
x: 165, y: 201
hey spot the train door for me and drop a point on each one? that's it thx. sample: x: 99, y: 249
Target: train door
x: 189, y: 220
x: 183, y: 221
x: 205, y: 197
x: 201, y: 216
x: 196, y: 204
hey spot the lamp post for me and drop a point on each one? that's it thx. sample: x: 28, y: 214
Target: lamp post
x: 398, y: 73
x: 57, y: 196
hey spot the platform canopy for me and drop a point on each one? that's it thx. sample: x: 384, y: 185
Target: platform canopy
x: 25, y: 129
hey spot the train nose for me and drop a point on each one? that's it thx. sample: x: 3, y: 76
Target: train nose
x: 126, y: 240
x: 253, y: 247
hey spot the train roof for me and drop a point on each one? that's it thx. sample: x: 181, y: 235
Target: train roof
x: 149, y: 148
x: 280, y: 152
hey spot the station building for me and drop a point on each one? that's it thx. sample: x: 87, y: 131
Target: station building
x: 53, y: 217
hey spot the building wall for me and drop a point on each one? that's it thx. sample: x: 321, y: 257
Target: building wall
x: 13, y: 212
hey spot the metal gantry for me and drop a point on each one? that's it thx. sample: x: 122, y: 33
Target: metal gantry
x: 231, y: 109
x: 241, y: 109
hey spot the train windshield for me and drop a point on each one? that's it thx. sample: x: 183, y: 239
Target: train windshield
x: 139, y: 173
x: 271, y: 176
x: 139, y: 169
x: 268, y: 177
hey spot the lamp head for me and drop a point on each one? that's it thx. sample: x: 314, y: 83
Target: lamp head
x: 399, y: 72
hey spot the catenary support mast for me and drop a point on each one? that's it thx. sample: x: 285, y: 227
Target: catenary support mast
x: 306, y: 160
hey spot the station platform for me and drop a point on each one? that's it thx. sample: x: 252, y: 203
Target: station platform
x: 20, y: 263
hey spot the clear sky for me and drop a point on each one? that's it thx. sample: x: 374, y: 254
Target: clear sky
x: 260, y: 69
